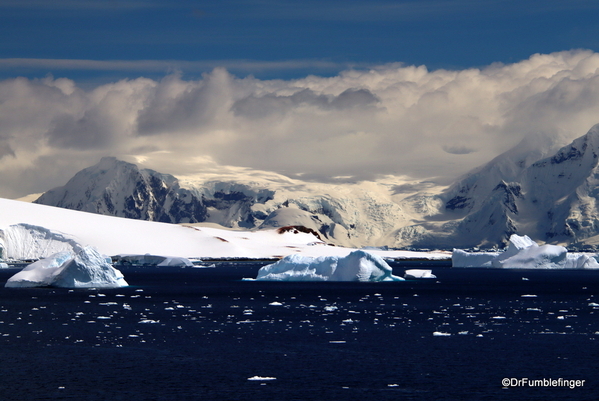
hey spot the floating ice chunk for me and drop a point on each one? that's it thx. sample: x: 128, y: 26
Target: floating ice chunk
x: 153, y: 260
x: 524, y: 253
x: 261, y: 378
x: 440, y: 334
x: 460, y: 258
x: 83, y: 269
x: 418, y: 273
x: 357, y: 266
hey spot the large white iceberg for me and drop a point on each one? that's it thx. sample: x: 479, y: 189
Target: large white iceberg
x: 85, y: 268
x: 524, y: 253
x: 357, y: 266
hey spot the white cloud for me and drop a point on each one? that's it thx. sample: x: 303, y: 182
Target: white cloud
x: 392, y: 119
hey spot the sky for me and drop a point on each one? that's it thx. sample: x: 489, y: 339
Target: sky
x: 424, y: 89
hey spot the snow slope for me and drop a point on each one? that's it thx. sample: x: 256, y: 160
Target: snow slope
x: 51, y: 229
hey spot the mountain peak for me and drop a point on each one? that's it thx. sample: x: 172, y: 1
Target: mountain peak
x: 118, y: 188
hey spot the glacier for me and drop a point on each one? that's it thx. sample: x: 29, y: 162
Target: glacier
x: 524, y: 253
x: 359, y: 265
x: 86, y: 268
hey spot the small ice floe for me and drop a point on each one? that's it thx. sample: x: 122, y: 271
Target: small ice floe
x: 528, y: 296
x: 593, y: 304
x: 275, y: 303
x: 149, y: 321
x: 412, y: 274
x: 440, y: 334
x: 261, y: 378
x: 337, y: 342
x: 498, y: 317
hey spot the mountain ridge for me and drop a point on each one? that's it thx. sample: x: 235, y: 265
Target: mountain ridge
x: 532, y: 189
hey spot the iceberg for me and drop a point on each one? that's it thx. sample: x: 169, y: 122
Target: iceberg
x: 85, y: 268
x: 27, y: 241
x: 418, y: 273
x: 152, y: 260
x: 524, y: 253
x: 357, y: 266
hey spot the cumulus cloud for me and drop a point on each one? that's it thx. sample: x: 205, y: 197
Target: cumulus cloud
x: 392, y: 119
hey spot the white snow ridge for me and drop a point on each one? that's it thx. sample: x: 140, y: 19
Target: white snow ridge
x: 83, y: 269
x: 357, y: 266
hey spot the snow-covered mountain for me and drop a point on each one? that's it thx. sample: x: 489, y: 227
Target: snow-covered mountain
x: 344, y: 214
x: 549, y: 196
x: 116, y: 188
x: 533, y: 189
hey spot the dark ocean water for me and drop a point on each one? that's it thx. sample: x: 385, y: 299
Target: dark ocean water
x: 200, y: 334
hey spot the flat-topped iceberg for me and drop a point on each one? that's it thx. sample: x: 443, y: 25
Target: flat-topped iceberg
x: 411, y: 274
x: 84, y: 268
x: 357, y: 266
x: 524, y: 253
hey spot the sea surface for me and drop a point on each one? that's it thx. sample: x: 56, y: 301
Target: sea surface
x: 205, y: 334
